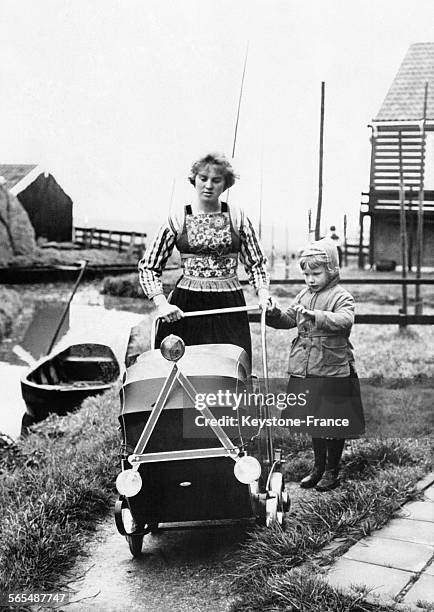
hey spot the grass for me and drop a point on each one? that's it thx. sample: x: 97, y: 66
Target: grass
x: 379, y: 477
x: 53, y: 256
x: 54, y: 486
x: 298, y: 590
x: 10, y: 307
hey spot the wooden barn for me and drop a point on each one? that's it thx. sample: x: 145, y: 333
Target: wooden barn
x: 402, y: 150
x: 48, y: 206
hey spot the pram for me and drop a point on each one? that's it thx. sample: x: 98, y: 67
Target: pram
x: 185, y: 465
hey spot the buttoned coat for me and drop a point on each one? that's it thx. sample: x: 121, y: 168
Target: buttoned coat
x: 322, y: 347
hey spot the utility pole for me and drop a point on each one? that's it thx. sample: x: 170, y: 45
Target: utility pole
x: 403, y: 230
x: 419, y: 235
x: 321, y: 154
x: 345, y: 242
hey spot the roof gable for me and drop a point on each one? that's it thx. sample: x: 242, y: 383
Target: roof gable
x: 14, y: 173
x: 404, y: 100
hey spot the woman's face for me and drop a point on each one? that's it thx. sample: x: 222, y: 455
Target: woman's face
x: 209, y: 183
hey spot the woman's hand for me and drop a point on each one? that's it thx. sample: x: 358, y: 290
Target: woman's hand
x: 264, y: 298
x: 273, y: 308
x: 165, y: 311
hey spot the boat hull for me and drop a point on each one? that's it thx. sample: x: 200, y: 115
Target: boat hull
x: 61, y: 381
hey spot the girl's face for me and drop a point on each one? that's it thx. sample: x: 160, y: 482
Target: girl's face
x: 316, y: 278
x: 209, y: 184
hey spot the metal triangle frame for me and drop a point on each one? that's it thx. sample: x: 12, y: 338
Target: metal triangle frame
x: 227, y: 448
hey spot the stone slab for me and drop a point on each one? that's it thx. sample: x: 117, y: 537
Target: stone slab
x: 421, y: 532
x: 430, y: 569
x: 391, y: 553
x: 379, y: 580
x: 429, y: 494
x: 425, y: 482
x: 422, y: 590
x: 419, y: 511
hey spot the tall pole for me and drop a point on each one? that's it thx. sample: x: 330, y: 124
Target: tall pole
x: 403, y: 228
x: 419, y: 235
x: 309, y: 224
x: 321, y: 153
x: 260, y: 197
x: 286, y: 252
x: 239, y: 102
x: 345, y: 242
x: 234, y: 143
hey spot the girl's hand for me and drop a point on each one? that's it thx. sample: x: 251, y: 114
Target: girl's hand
x: 304, y: 312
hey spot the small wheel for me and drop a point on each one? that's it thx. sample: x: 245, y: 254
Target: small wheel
x: 135, y: 542
x: 278, y: 501
x: 271, y: 511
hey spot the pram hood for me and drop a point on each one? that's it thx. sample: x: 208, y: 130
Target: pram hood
x: 208, y: 366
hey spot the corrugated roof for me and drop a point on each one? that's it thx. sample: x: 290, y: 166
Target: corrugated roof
x: 14, y: 173
x: 404, y: 100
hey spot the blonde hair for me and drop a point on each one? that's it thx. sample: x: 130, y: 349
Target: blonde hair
x: 215, y: 159
x: 313, y: 261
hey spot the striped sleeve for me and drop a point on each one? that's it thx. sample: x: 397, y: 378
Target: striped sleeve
x: 252, y: 256
x: 154, y: 260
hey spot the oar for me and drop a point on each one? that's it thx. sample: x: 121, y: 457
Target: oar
x: 23, y: 354
x: 83, y: 264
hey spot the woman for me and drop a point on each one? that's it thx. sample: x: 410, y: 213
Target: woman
x: 209, y: 235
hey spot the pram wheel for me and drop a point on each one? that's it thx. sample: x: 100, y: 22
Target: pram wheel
x: 277, y: 503
x: 135, y: 542
x: 128, y: 527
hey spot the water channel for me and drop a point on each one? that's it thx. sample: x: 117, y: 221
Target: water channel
x: 92, y: 317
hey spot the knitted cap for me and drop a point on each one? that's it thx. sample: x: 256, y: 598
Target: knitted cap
x: 327, y: 248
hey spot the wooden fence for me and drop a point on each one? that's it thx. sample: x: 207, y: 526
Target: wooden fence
x: 400, y: 318
x: 94, y: 238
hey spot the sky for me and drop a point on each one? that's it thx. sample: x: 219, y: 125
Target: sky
x: 116, y: 98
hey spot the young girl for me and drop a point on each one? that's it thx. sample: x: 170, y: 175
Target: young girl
x: 323, y: 312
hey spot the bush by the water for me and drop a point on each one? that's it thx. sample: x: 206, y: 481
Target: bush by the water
x: 10, y: 307
x: 123, y: 286
x: 17, y: 236
x: 128, y: 285
x: 56, y: 256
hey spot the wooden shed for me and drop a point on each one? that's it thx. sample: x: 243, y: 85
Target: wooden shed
x: 48, y: 206
x: 402, y: 148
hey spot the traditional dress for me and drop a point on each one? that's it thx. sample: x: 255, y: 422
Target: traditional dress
x: 209, y: 244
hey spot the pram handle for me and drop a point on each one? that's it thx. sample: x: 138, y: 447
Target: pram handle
x: 213, y: 311
x: 200, y: 313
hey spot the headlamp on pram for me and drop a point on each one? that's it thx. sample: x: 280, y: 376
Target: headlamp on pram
x: 129, y: 483
x: 172, y: 348
x: 247, y: 469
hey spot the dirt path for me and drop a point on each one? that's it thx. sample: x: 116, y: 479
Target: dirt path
x: 179, y: 571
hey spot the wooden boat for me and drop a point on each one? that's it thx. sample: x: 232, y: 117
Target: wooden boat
x: 60, y: 381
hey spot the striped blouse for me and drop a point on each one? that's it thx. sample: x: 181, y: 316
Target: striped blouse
x: 205, y: 267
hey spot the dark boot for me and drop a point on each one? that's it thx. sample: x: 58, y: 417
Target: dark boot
x: 319, y: 450
x: 330, y: 479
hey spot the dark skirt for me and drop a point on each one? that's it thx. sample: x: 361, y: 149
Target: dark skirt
x: 331, y: 398
x: 215, y: 329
